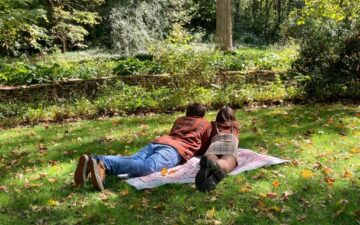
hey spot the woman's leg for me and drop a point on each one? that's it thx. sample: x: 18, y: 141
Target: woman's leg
x: 212, y: 157
x: 227, y: 163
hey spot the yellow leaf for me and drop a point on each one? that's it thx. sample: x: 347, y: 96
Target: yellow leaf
x: 52, y: 180
x: 210, y: 213
x: 307, y: 173
x: 42, y: 175
x: 53, y: 202
x: 275, y: 208
x: 164, y: 171
x: 347, y: 174
x: 355, y: 150
x: 263, y: 195
x: 276, y: 183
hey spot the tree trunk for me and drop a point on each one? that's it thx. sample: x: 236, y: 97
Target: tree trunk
x: 224, y: 24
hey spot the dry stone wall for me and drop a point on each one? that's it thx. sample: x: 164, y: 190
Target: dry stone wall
x: 90, y: 88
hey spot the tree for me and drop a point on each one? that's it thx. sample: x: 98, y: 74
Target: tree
x: 69, y: 19
x: 224, y: 24
x: 21, y: 26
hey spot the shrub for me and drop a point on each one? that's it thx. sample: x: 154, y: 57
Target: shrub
x: 187, y: 67
x: 329, y: 58
x: 134, y: 66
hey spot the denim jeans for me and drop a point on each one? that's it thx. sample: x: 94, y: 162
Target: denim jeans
x: 152, y: 158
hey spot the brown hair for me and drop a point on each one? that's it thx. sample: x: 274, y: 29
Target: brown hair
x: 195, y: 109
x: 225, y: 114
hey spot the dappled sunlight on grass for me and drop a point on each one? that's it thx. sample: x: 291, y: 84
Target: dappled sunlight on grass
x: 319, y: 186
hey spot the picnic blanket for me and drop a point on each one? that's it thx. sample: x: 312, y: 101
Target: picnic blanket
x: 185, y: 173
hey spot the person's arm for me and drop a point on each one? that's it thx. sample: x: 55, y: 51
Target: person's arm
x: 206, y: 140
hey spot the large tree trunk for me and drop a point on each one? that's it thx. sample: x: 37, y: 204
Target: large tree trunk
x: 224, y: 24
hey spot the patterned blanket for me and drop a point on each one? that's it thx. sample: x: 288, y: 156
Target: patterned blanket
x: 185, y: 173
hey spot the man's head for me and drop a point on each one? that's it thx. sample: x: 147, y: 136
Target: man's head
x: 195, y: 109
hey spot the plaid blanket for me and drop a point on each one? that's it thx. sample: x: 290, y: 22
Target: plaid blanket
x: 185, y: 173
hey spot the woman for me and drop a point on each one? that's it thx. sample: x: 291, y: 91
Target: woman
x: 221, y: 156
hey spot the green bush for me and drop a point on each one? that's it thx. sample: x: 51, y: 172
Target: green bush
x: 121, y: 99
x: 134, y: 66
x: 328, y: 63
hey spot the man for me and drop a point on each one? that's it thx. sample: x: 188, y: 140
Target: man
x: 189, y: 136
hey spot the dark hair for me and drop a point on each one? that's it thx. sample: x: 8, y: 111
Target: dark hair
x: 226, y: 113
x: 195, y: 109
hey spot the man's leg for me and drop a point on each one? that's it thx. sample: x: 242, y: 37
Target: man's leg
x: 164, y: 156
x: 116, y: 165
x: 157, y: 157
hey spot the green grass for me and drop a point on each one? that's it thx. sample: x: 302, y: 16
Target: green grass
x: 37, y: 165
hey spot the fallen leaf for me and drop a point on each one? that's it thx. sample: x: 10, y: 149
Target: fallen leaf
x: 262, y: 195
x: 276, y: 183
x: 329, y: 180
x: 318, y: 165
x: 210, y: 213
x: 145, y: 202
x: 159, y: 206
x: 52, y: 202
x: 330, y: 120
x: 216, y: 222
x: 259, y: 176
x: 285, y: 196
x: 355, y: 150
x: 347, y: 174
x: 340, y: 211
x: 271, y: 195
x: 42, y: 175
x: 52, y: 180
x: 261, y: 205
x: 42, y: 147
x: 4, y: 188
x: 125, y: 192
x: 164, y: 172
x: 307, y: 173
x: 275, y: 208
x: 327, y: 170
x: 342, y: 202
x: 245, y: 188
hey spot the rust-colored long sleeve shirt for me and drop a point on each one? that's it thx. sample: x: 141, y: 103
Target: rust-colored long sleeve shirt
x: 189, y: 136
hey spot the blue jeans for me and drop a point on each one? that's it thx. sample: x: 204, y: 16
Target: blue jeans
x: 152, y: 158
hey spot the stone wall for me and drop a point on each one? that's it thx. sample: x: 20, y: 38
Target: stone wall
x: 90, y: 88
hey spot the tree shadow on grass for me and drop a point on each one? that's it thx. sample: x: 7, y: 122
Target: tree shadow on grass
x: 181, y: 203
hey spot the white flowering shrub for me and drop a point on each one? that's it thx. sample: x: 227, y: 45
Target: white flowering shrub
x: 136, y: 23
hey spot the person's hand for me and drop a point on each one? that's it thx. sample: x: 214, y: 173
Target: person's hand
x: 188, y: 154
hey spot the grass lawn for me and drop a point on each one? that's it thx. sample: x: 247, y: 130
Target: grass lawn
x: 320, y: 186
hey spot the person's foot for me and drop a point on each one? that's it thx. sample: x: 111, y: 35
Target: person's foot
x: 212, y: 181
x: 207, y: 168
x: 82, y: 170
x: 98, y: 173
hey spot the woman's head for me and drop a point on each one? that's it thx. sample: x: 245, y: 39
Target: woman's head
x: 195, y: 109
x: 226, y: 113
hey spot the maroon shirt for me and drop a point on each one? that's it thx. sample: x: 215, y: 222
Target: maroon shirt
x: 189, y: 136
